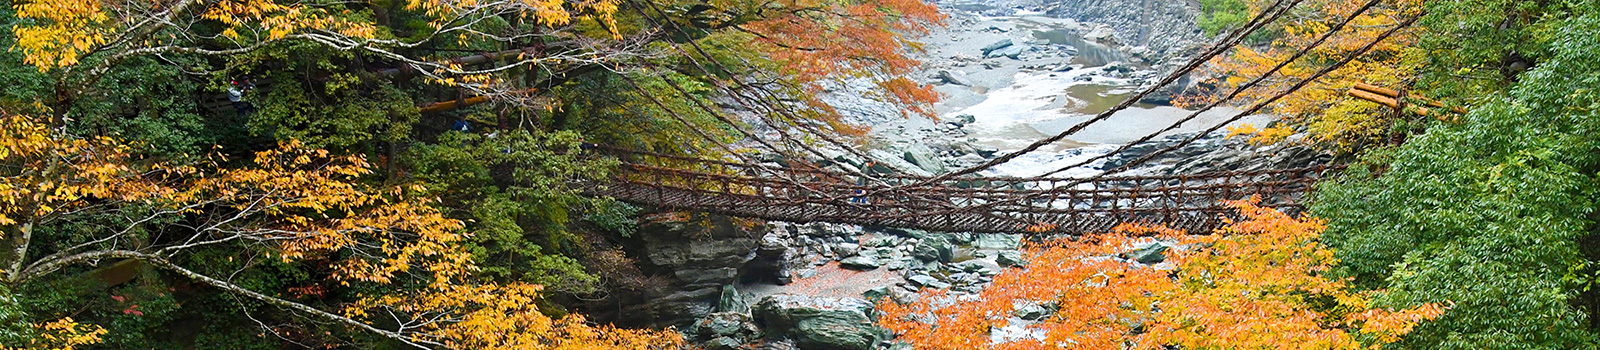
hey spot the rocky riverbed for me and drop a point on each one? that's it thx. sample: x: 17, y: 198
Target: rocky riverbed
x: 1011, y: 72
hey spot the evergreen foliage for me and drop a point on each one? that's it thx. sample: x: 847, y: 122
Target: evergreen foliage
x: 1490, y: 214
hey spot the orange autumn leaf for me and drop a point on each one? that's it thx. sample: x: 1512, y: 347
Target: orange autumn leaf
x: 1254, y: 284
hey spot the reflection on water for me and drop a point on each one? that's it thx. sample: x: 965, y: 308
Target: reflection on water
x: 1096, y: 98
x: 1042, y: 104
x: 1089, y: 54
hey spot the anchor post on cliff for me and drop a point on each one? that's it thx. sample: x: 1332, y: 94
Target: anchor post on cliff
x: 1398, y: 100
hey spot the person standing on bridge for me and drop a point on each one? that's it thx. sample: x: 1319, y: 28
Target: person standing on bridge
x: 862, y: 181
x: 236, y: 96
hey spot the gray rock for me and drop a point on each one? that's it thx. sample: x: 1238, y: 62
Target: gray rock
x: 805, y: 273
x: 882, y: 252
x: 1101, y: 34
x: 1012, y: 52
x: 924, y: 158
x: 817, y: 323
x: 934, y: 249
x: 970, y: 159
x: 997, y: 241
x: 821, y: 333
x: 961, y: 278
x: 912, y: 233
x: 1004, y: 43
x: 778, y: 344
x: 955, y: 77
x: 784, y: 311
x: 883, y: 241
x: 732, y: 301
x: 904, y: 295
x: 723, y: 343
x: 698, y: 260
x: 985, y: 150
x: 860, y: 263
x: 846, y: 249
x: 982, y: 267
x: 1118, y: 67
x: 736, y: 325
x: 928, y: 281
x: 876, y: 293
x: 961, y: 238
x: 1148, y: 253
x: 1009, y: 258
x: 966, y: 118
x: 896, y: 265
x: 1033, y: 311
x: 773, y: 241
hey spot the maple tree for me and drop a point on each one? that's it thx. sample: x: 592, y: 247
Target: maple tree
x: 295, y: 204
x: 1321, y: 108
x: 870, y: 41
x: 1257, y: 283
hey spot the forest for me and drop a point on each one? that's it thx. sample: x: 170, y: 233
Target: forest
x: 386, y: 174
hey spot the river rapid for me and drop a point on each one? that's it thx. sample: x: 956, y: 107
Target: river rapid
x: 1054, y: 74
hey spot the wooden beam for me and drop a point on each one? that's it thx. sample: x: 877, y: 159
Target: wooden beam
x: 1387, y: 101
x: 1391, y: 103
x: 462, y: 103
x: 1394, y: 94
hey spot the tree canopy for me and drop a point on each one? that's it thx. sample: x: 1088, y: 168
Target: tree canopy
x: 252, y: 173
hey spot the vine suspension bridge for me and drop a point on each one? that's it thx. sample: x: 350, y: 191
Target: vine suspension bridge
x: 962, y: 201
x: 1194, y: 203
x: 958, y: 201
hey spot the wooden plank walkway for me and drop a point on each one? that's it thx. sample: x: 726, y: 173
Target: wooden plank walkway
x: 1193, y: 203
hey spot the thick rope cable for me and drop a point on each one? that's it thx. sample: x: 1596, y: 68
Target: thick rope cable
x: 735, y: 93
x: 704, y: 135
x: 1266, y: 16
x: 1260, y: 20
x: 740, y: 98
x: 1258, y: 106
x: 1234, y: 94
x: 765, y: 101
x: 1253, y: 109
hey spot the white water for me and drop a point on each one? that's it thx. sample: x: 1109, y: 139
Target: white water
x: 1041, y: 104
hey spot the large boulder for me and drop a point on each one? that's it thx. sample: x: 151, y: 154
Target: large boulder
x: 928, y: 281
x: 732, y: 301
x: 924, y: 158
x: 697, y: 261
x: 822, y: 333
x: 934, y: 248
x: 860, y: 262
x: 1009, y: 258
x: 819, y: 323
x: 1013, y: 52
x: 997, y: 241
x: 732, y: 325
x: 1003, y: 43
x: 1148, y: 253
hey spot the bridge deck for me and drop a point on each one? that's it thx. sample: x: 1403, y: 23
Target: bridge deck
x: 1015, y: 205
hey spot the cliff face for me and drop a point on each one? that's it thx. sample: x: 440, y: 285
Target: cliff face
x: 1155, y: 30
x: 1165, y: 28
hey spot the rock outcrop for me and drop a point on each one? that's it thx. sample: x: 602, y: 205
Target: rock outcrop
x: 699, y: 257
x: 819, y: 323
x: 1165, y: 29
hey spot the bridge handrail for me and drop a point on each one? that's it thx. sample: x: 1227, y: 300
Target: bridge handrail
x: 1114, y: 178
